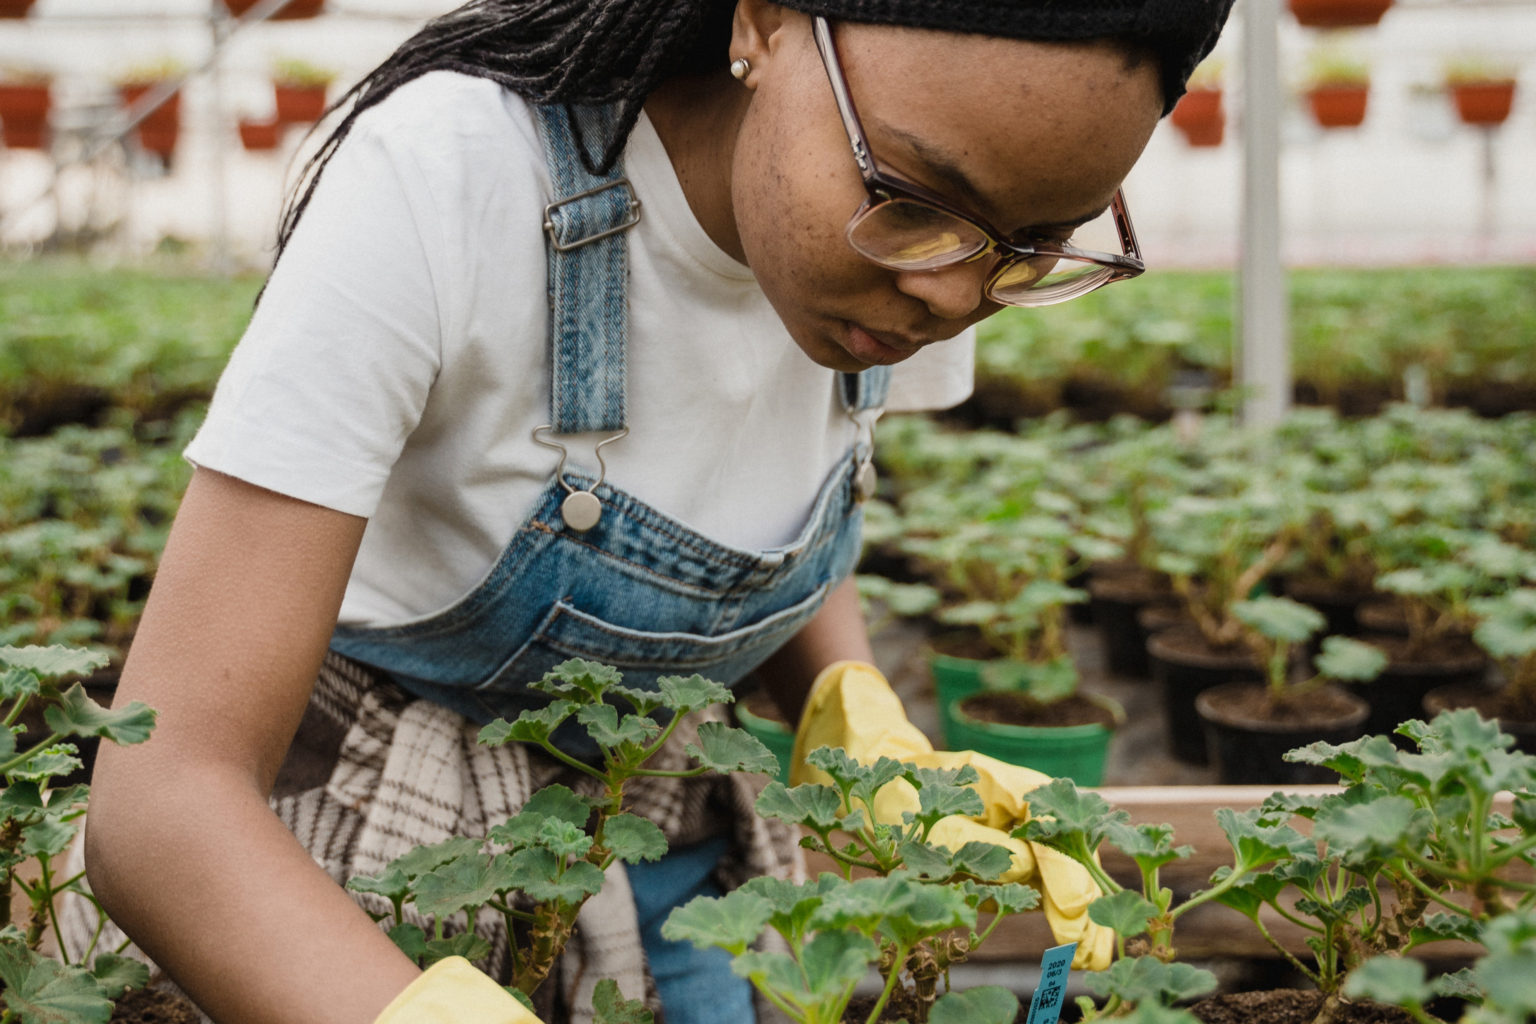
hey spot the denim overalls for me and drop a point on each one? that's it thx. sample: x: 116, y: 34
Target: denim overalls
x: 636, y: 589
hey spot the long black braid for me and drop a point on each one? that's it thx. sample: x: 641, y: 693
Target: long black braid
x: 548, y: 51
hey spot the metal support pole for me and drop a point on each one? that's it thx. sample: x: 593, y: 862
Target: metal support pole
x: 219, y: 25
x: 1264, y: 357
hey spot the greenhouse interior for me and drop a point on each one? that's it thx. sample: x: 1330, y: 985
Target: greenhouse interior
x: 1196, y: 677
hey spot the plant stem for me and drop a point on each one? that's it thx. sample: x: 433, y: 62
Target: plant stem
x: 890, y: 982
x: 20, y: 759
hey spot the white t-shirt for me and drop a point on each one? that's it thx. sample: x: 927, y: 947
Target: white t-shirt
x: 396, y: 366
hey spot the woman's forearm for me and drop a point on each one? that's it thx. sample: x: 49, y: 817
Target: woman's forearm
x: 836, y: 633
x: 213, y: 887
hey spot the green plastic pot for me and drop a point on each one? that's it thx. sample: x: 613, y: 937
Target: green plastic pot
x: 775, y: 735
x: 954, y: 679
x: 1076, y: 752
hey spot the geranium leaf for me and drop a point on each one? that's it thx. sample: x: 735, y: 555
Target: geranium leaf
x: 1125, y: 912
x: 690, y: 693
x: 610, y: 1007
x: 986, y: 1004
x: 725, y: 749
x: 633, y: 839
x: 78, y: 715
x: 116, y: 974
x: 1394, y: 980
x: 54, y: 661
x: 733, y: 921
x: 465, y: 944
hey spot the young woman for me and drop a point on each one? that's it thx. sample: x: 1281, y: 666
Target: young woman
x: 713, y: 237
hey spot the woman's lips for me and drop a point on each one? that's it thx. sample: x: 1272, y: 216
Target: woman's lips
x: 870, y: 349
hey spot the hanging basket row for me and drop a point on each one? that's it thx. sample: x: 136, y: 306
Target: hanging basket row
x: 1483, y: 103
x: 292, y: 10
x: 15, y: 8
x: 24, y: 114
x: 1200, y: 117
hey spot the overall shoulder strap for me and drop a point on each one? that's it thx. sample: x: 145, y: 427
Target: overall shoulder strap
x: 867, y: 389
x: 588, y: 272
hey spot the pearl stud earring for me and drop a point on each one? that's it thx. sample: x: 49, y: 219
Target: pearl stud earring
x: 740, y: 68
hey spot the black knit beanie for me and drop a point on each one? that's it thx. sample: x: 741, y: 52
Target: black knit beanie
x: 1179, y: 33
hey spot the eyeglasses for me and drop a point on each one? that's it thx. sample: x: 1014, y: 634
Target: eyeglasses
x: 906, y: 227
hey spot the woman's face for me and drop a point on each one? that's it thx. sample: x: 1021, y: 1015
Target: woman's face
x: 1031, y: 136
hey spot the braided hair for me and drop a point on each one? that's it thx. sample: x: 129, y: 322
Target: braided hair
x: 548, y: 51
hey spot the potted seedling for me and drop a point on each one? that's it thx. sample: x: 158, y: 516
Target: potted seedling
x: 38, y: 823
x: 1413, y: 850
x: 1217, y: 550
x: 1506, y: 630
x: 25, y: 101
x: 1496, y: 990
x: 1483, y: 90
x: 1250, y: 726
x: 900, y: 901
x: 1336, y: 86
x: 532, y: 873
x: 1016, y: 697
x: 299, y: 89
x: 1199, y: 114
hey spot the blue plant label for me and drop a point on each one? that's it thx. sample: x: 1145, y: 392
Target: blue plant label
x: 1045, y: 1005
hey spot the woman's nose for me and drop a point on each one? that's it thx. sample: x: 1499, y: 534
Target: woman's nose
x: 950, y: 293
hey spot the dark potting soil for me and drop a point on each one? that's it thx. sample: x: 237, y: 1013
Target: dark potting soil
x: 1290, y: 1006
x: 1189, y: 646
x: 1451, y: 655
x: 1509, y: 708
x: 963, y: 645
x: 154, y: 1006
x: 1251, y: 704
x: 1019, y: 709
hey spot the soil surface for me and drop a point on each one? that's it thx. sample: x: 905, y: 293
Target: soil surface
x: 1020, y: 709
x: 1452, y: 655
x: 1250, y: 705
x: 154, y: 1006
x: 1515, y: 715
x: 1189, y: 646
x: 1289, y: 1006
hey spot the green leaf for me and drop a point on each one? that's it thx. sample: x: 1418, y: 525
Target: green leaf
x: 410, y: 939
x: 834, y: 960
x: 562, y: 838
x: 1349, y: 660
x: 465, y: 944
x: 1372, y: 831
x: 584, y: 681
x: 1255, y: 844
x: 47, y: 763
x: 470, y: 880
x: 54, y: 661
x: 79, y: 715
x: 1060, y: 809
x: 17, y: 682
x: 532, y: 726
x: 1146, y: 979
x: 725, y: 749
x: 391, y: 883
x: 540, y: 874
x: 1006, y: 898
x: 557, y: 801
x: 1280, y: 618
x: 816, y: 807
x: 47, y: 838
x: 610, y: 730
x: 1438, y: 927
x: 418, y: 861
x: 1394, y: 980
x: 939, y: 795
x: 1249, y: 896
x: 1150, y: 846
x: 116, y: 974
x: 733, y: 921
x: 984, y: 861
x: 633, y: 839
x: 40, y: 990
x: 610, y: 1007
x: 1126, y: 912
x: 987, y: 1004
x: 684, y: 694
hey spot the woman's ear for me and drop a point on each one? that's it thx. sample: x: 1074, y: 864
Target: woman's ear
x: 757, y: 32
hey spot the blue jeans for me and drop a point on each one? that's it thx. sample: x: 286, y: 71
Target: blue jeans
x: 696, y: 985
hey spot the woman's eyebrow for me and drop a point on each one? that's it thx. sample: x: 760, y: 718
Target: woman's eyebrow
x: 952, y: 175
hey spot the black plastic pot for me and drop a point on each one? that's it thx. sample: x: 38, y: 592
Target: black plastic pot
x: 1398, y: 693
x: 1249, y: 750
x: 1486, y: 700
x: 1337, y: 603
x: 1184, y: 666
x: 1114, y: 600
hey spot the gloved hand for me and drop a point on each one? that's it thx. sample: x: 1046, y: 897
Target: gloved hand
x: 852, y: 706
x: 454, y: 991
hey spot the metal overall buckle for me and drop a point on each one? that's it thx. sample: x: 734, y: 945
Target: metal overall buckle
x: 581, y: 509
x: 633, y: 217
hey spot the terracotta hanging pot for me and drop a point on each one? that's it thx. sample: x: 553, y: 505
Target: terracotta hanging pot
x: 159, y: 131
x: 15, y: 8
x: 258, y: 136
x: 1200, y: 117
x: 1338, y: 106
x: 1484, y: 103
x: 294, y: 9
x: 24, y: 110
x: 298, y: 104
x: 1338, y: 13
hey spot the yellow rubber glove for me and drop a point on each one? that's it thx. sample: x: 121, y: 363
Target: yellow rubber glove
x: 454, y: 991
x: 852, y: 706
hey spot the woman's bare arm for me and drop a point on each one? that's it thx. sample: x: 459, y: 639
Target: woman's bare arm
x: 181, y: 846
x: 836, y: 633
